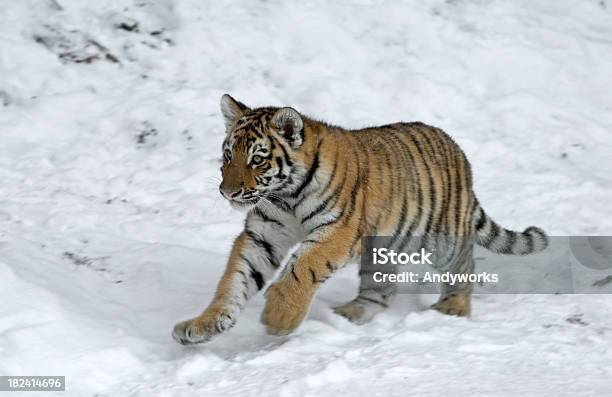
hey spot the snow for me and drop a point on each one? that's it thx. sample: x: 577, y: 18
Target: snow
x: 112, y: 228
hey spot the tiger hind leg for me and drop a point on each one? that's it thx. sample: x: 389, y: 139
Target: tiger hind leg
x: 373, y: 298
x: 455, y: 299
x: 454, y: 305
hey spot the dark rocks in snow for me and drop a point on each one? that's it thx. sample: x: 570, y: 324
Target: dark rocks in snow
x: 128, y: 26
x: 577, y: 320
x: 145, y: 136
x: 74, y: 46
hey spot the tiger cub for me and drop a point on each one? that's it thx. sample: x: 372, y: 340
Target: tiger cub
x: 323, y: 187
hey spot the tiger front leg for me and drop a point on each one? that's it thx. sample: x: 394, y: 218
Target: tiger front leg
x: 251, y: 264
x: 287, y: 304
x: 288, y: 299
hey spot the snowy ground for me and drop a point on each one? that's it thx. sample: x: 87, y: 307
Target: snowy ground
x: 112, y: 227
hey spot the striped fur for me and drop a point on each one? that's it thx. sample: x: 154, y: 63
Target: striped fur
x: 324, y: 188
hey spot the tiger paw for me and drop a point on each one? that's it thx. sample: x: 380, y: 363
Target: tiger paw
x: 454, y: 305
x: 203, y: 328
x: 359, y: 312
x: 283, y: 312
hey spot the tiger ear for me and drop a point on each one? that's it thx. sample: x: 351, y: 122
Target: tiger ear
x: 290, y: 126
x: 231, y: 109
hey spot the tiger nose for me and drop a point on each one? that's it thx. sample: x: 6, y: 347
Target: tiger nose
x: 229, y: 193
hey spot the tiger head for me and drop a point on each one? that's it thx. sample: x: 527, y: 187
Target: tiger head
x: 261, y: 156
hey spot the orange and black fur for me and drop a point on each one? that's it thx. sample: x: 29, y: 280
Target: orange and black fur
x: 325, y: 188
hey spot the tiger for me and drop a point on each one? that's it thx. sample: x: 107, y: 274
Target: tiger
x: 313, y: 191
